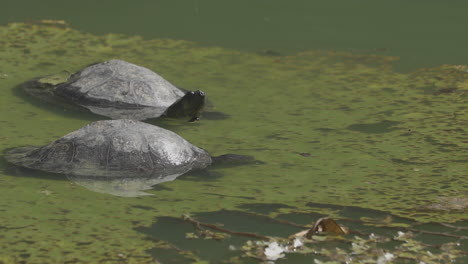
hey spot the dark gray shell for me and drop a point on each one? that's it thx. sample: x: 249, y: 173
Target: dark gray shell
x: 119, y: 89
x: 115, y: 148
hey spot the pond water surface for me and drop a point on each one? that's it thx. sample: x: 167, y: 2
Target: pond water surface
x: 356, y: 110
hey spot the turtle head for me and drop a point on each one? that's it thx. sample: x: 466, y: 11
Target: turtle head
x: 190, y: 105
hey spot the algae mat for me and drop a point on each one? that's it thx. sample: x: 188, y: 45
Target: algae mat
x: 332, y: 128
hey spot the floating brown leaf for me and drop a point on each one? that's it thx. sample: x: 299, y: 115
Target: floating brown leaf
x: 326, y: 225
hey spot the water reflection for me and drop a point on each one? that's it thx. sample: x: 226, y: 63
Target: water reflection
x: 124, y: 187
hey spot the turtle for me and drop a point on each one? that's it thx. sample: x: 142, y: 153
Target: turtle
x: 124, y: 148
x: 119, y: 90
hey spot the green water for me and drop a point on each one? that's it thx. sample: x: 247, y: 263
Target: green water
x: 314, y: 90
x: 422, y: 33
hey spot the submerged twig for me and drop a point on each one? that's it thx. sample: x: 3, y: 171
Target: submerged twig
x: 434, y: 233
x: 221, y: 229
x: 454, y: 227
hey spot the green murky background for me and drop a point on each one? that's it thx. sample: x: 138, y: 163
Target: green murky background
x: 335, y: 119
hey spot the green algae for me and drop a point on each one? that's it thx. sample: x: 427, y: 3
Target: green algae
x: 374, y: 138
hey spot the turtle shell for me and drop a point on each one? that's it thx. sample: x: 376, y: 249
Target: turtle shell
x: 116, y: 84
x: 115, y: 148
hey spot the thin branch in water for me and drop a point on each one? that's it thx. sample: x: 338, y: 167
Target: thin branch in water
x: 197, y: 225
x: 453, y: 226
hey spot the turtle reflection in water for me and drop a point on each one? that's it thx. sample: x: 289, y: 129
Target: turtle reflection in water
x: 113, y: 149
x: 119, y: 90
x: 123, y: 187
